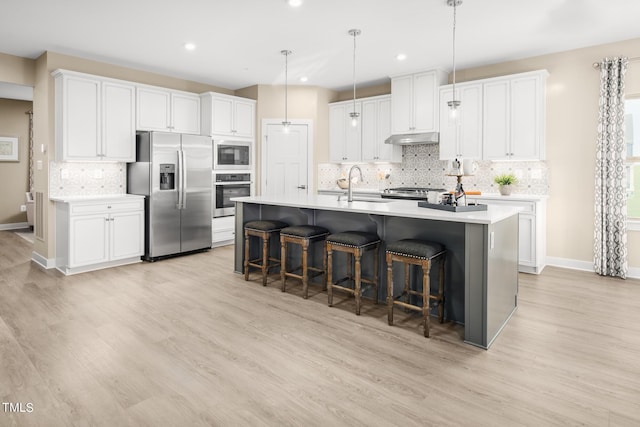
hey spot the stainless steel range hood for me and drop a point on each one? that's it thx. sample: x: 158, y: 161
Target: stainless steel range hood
x: 414, y: 138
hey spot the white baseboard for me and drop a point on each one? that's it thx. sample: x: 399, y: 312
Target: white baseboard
x: 14, y: 226
x: 42, y: 261
x: 632, y: 273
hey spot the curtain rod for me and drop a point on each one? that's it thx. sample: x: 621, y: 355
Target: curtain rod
x: 635, y: 58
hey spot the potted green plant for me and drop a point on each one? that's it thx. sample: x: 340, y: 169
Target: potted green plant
x: 505, y: 183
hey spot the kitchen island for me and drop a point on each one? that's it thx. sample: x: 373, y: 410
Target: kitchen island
x: 481, y: 270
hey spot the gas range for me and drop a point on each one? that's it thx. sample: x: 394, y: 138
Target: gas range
x: 409, y: 193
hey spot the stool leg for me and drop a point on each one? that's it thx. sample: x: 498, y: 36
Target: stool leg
x: 406, y: 283
x: 357, y: 257
x: 246, y: 256
x: 389, y: 290
x: 376, y: 262
x: 283, y: 262
x: 441, y: 291
x: 305, y: 278
x: 324, y: 264
x: 426, y: 289
x: 265, y: 258
x: 329, y: 275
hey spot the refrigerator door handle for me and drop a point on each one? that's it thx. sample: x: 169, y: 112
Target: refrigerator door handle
x: 184, y: 181
x: 180, y: 185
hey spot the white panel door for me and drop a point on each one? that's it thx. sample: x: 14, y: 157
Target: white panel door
x: 81, y: 115
x: 337, y: 133
x: 286, y: 160
x: 424, y: 107
x: 222, y: 112
x: 401, y: 104
x: 126, y: 235
x: 496, y: 118
x: 470, y: 138
x: 525, y: 119
x: 243, y: 117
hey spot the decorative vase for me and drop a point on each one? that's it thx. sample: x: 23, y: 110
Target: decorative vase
x: 505, y: 190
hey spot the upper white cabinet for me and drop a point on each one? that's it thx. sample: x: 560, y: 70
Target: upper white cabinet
x: 227, y: 115
x: 376, y: 127
x: 514, y: 117
x: 461, y: 136
x: 365, y: 141
x: 94, y: 118
x: 345, y: 140
x: 160, y: 109
x: 414, y: 102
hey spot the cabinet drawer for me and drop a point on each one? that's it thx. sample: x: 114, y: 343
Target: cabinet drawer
x: 223, y: 223
x: 524, y: 206
x: 106, y: 207
x: 222, y: 235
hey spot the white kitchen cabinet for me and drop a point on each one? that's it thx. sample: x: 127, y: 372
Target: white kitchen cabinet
x: 227, y: 115
x: 514, y: 117
x: 223, y: 231
x: 98, y: 233
x: 461, y: 137
x: 532, y: 250
x: 376, y: 128
x: 345, y: 140
x: 414, y: 102
x: 166, y: 110
x: 94, y: 118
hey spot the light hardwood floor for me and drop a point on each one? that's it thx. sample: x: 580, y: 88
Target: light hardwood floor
x: 185, y: 341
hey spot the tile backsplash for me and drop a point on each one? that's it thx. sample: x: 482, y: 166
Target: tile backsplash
x: 87, y: 179
x: 421, y: 167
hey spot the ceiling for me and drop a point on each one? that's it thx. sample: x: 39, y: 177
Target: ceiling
x: 238, y: 42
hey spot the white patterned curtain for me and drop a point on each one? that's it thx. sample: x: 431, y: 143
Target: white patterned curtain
x: 610, y: 240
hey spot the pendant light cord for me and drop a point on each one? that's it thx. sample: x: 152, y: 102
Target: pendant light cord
x: 354, y: 70
x: 455, y: 4
x: 286, y: 84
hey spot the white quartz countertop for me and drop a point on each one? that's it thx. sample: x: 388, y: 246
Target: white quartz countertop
x: 96, y: 198
x: 486, y: 196
x: 388, y: 207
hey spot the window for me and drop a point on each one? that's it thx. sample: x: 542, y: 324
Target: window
x: 632, y: 138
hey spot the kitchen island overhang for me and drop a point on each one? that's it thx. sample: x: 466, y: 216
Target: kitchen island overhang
x: 481, y: 271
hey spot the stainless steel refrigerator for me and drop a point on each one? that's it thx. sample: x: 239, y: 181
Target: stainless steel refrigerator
x: 173, y: 171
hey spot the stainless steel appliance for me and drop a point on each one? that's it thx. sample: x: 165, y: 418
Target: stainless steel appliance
x: 231, y: 155
x: 227, y: 186
x: 410, y: 193
x: 173, y: 171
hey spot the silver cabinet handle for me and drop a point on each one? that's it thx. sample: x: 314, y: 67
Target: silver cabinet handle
x: 302, y: 187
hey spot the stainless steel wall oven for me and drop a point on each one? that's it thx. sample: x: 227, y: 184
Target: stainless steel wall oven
x: 227, y: 186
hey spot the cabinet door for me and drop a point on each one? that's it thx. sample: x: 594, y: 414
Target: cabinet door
x: 88, y: 239
x: 496, y: 121
x: 425, y: 94
x: 337, y: 133
x: 222, y: 116
x: 526, y: 240
x: 244, y: 118
x: 449, y: 126
x: 126, y: 235
x: 185, y: 113
x: 153, y: 109
x: 401, y: 105
x: 353, y: 141
x: 369, y: 130
x: 118, y: 122
x: 386, y: 152
x: 470, y: 137
x: 525, y: 118
x: 80, y: 117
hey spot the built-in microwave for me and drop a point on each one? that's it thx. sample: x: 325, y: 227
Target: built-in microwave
x: 231, y: 155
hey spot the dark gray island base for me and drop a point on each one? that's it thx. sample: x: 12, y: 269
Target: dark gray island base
x: 481, y: 270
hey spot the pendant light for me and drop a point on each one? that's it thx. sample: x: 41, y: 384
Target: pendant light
x: 286, y: 123
x: 454, y: 104
x: 354, y: 114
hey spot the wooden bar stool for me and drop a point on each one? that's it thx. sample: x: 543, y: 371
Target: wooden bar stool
x: 421, y: 253
x: 302, y: 235
x: 262, y: 229
x: 354, y: 244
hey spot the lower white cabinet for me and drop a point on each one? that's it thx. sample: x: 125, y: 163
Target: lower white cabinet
x: 532, y: 248
x: 98, y: 233
x: 223, y: 230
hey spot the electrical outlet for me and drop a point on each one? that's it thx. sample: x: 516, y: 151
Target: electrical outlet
x: 23, y: 208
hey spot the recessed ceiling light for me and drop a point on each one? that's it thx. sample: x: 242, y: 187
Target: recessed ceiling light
x: 401, y: 57
x: 294, y: 3
x: 189, y: 46
x: 303, y: 79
